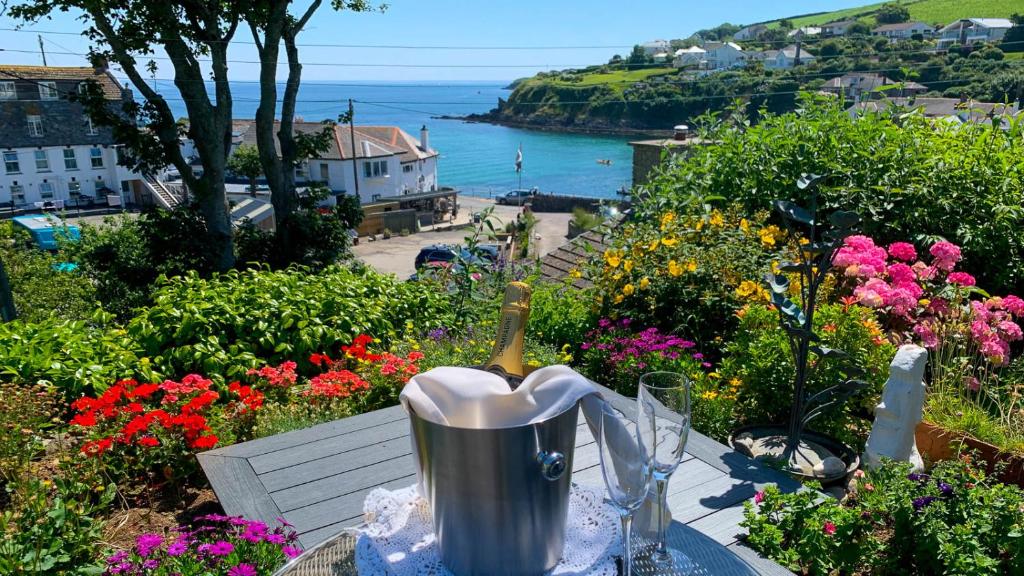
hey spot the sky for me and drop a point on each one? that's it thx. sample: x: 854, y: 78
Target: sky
x: 582, y: 32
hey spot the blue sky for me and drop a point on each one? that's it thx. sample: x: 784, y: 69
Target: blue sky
x: 611, y: 25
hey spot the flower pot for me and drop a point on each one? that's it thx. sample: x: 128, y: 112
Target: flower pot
x: 936, y: 443
x: 776, y: 436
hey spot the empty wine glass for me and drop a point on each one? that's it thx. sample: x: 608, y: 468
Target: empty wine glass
x: 626, y: 469
x: 663, y: 398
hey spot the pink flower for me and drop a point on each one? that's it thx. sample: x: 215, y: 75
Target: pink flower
x: 996, y: 351
x: 972, y: 383
x: 1009, y: 330
x: 923, y: 271
x: 829, y: 528
x: 902, y: 251
x: 927, y: 335
x: 901, y: 273
x: 242, y: 570
x: 291, y: 551
x: 759, y: 497
x: 961, y: 278
x: 945, y: 254
x: 1014, y: 305
x: 146, y: 543
x: 859, y: 242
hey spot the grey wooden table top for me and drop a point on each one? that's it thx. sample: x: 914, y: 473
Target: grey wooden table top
x: 317, y: 478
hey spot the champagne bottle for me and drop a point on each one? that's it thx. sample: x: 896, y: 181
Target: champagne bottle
x: 507, y: 356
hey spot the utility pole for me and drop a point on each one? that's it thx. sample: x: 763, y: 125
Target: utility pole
x: 796, y: 59
x: 41, y: 49
x: 352, y: 135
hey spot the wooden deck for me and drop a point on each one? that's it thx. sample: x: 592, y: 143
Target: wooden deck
x: 317, y: 478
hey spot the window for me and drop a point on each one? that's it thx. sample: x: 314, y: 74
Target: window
x: 42, y: 161
x: 100, y: 187
x: 74, y: 189
x: 35, y: 125
x: 83, y: 88
x: 407, y: 168
x: 96, y: 157
x: 324, y: 173
x: 17, y: 193
x: 70, y: 162
x: 375, y: 169
x: 47, y: 90
x: 46, y: 191
x: 8, y: 91
x: 300, y: 171
x: 11, y: 163
x: 89, y: 128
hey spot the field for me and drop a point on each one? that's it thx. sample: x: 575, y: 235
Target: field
x: 930, y: 11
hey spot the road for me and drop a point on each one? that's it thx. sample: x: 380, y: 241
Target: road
x: 397, y: 254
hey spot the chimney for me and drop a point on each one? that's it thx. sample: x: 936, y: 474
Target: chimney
x: 424, y: 139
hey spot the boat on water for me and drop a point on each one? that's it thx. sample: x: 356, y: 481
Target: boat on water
x: 604, y: 161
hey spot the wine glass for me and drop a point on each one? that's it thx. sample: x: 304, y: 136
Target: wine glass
x: 626, y: 469
x: 663, y: 398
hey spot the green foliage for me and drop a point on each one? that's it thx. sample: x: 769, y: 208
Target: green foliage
x: 52, y: 527
x: 245, y: 162
x: 892, y: 14
x: 954, y: 521
x: 585, y: 219
x: 232, y: 322
x: 560, y: 314
x: 26, y: 414
x: 902, y: 172
x: 287, y: 416
x: 757, y: 359
x: 39, y: 288
x: 1013, y: 41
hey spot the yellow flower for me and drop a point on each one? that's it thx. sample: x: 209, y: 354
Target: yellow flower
x: 744, y: 226
x: 575, y: 273
x: 612, y: 258
x: 804, y: 241
x: 653, y: 245
x: 666, y: 220
x: 627, y: 265
x: 674, y: 268
x: 716, y: 219
x: 714, y: 375
x: 645, y: 283
x: 637, y: 250
x: 617, y: 277
x: 735, y: 383
x: 691, y: 266
x: 746, y: 288
x: 924, y: 302
x: 619, y: 298
x: 670, y: 242
x: 766, y: 237
x: 628, y: 289
x: 709, y: 395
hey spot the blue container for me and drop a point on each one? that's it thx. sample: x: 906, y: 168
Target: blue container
x: 46, y: 229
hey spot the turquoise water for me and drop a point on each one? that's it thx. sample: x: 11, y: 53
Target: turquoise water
x: 476, y: 158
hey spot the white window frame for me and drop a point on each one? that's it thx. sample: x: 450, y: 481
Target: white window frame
x: 35, y: 125
x: 18, y: 190
x: 98, y: 185
x: 90, y: 129
x: 42, y: 160
x: 74, y: 189
x: 325, y: 172
x: 8, y: 154
x: 70, y: 162
x: 375, y: 169
x: 8, y: 90
x: 93, y: 157
x: 48, y: 90
x: 46, y: 195
x: 407, y: 168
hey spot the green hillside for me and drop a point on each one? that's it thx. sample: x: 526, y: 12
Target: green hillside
x: 930, y: 11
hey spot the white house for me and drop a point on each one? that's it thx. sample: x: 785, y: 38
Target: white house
x: 386, y: 163
x: 804, y: 32
x: 656, y: 47
x: 903, y: 30
x: 970, y: 31
x: 722, y: 55
x: 692, y: 57
x: 837, y: 28
x: 785, y: 58
x: 752, y: 32
x: 51, y: 150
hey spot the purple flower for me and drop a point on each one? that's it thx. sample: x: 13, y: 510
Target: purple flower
x: 146, y: 543
x: 698, y: 356
x: 291, y: 551
x: 118, y: 557
x: 215, y: 518
x: 221, y: 548
x: 604, y: 322
x: 706, y: 364
x: 122, y: 567
x: 923, y: 501
x: 178, y: 548
x: 914, y: 476
x: 242, y: 570
x: 946, y: 489
x: 437, y: 334
x: 275, y: 538
x: 151, y: 564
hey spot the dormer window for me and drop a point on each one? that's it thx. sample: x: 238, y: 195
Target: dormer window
x: 8, y: 91
x: 89, y: 128
x: 35, y: 125
x: 48, y: 91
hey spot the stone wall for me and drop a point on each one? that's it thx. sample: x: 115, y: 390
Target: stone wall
x: 553, y: 203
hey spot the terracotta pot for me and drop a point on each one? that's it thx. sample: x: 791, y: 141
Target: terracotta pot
x: 936, y: 444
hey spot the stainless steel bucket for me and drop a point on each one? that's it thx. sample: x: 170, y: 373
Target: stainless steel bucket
x: 499, y: 497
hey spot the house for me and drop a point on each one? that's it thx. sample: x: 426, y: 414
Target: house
x: 692, y: 57
x: 864, y: 86
x: 903, y: 30
x: 662, y: 57
x: 752, y: 32
x: 723, y: 55
x: 378, y: 161
x: 650, y: 154
x: 953, y: 110
x: 970, y: 31
x: 656, y: 47
x: 52, y: 152
x: 837, y: 28
x: 785, y: 58
x: 804, y: 32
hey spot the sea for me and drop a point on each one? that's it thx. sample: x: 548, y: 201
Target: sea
x: 476, y: 158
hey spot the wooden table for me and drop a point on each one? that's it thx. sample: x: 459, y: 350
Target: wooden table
x: 317, y: 478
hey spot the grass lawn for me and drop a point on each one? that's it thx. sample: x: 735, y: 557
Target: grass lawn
x: 930, y: 11
x: 1014, y: 56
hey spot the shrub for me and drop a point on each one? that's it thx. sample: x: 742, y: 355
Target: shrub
x: 757, y: 358
x: 560, y: 314
x: 953, y: 521
x: 26, y: 413
x: 216, y: 544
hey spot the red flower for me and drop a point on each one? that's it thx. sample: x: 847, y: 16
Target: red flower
x: 149, y: 441
x: 829, y: 528
x: 143, y: 391
x: 205, y: 442
x: 97, y: 447
x: 415, y: 355
x: 85, y: 419
x: 319, y: 359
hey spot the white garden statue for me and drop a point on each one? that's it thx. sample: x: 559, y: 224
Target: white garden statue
x: 900, y: 411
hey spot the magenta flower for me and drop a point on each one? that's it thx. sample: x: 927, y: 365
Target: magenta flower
x: 178, y: 548
x: 829, y: 528
x: 151, y: 564
x: 242, y: 570
x: 1014, y: 305
x: 118, y: 557
x: 221, y: 548
x: 759, y: 497
x: 961, y: 278
x: 275, y: 538
x: 1009, y: 330
x: 146, y: 543
x: 946, y: 255
x: 291, y: 551
x: 903, y: 251
x: 928, y: 337
x: 972, y: 383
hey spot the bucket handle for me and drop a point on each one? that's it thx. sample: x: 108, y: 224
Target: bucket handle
x: 552, y: 462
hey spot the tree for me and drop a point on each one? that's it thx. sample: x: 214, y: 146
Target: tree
x: 858, y: 28
x: 245, y: 161
x: 892, y: 14
x: 638, y: 56
x: 125, y: 32
x: 1014, y: 39
x: 786, y: 24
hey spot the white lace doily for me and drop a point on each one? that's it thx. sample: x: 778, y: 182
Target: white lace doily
x: 398, y: 538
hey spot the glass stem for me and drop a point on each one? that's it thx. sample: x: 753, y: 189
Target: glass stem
x: 661, y: 553
x: 627, y: 543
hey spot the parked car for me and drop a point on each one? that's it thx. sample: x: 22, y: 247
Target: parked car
x: 444, y: 253
x: 515, y: 197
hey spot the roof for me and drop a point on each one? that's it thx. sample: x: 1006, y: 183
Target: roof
x: 840, y: 23
x: 690, y: 50
x: 790, y: 52
x: 251, y: 209
x: 556, y: 266
x: 870, y: 81
x: 111, y: 87
x: 716, y: 45
x: 983, y: 22
x: 370, y: 141
x: 901, y: 26
x: 969, y: 111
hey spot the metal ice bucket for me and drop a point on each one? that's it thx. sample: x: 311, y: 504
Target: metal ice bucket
x: 499, y: 497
